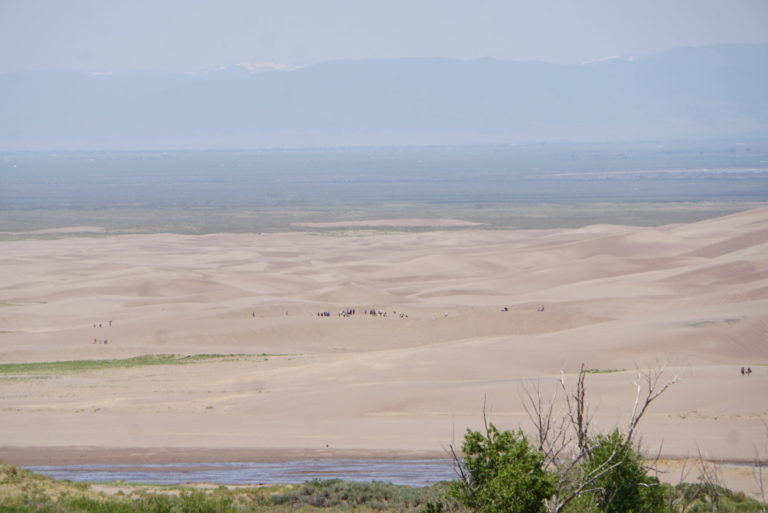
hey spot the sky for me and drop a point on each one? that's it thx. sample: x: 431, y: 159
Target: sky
x: 195, y: 35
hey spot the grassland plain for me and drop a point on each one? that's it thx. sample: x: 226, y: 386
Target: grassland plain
x: 502, y: 187
x: 22, y: 224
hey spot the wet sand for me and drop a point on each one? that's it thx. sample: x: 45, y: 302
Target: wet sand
x: 36, y: 456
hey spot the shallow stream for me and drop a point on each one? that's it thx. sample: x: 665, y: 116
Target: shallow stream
x: 401, y: 472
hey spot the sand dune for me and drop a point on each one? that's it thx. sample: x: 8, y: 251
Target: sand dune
x: 693, y: 298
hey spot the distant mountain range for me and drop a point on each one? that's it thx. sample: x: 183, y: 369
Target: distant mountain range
x: 685, y: 93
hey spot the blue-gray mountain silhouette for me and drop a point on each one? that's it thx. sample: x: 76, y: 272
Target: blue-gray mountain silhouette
x: 685, y: 93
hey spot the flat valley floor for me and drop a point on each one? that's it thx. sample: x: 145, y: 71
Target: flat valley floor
x: 463, y: 329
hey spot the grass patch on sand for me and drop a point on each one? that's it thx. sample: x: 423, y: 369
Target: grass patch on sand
x: 602, y: 371
x: 61, y: 367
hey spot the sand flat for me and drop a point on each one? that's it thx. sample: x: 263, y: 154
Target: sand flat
x: 691, y: 298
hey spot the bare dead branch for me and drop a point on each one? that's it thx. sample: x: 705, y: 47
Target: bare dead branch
x: 757, y: 471
x: 584, y: 483
x: 652, y: 392
x: 551, y: 433
x: 577, y: 411
x: 653, y: 464
x: 458, y: 466
x: 710, y: 477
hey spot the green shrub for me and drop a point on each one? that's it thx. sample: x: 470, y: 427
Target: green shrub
x: 86, y: 505
x: 336, y: 495
x: 155, y: 504
x: 623, y: 485
x: 502, y: 474
x: 710, y: 498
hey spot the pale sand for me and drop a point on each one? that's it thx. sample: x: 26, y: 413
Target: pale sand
x: 693, y: 298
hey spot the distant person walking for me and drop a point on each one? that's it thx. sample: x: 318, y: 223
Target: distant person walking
x: 749, y: 371
x: 742, y: 371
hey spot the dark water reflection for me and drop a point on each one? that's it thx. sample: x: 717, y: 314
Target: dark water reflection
x: 401, y: 472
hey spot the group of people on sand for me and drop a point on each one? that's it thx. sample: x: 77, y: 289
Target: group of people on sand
x: 383, y: 313
x: 347, y: 312
x: 343, y: 313
x: 100, y: 325
x: 746, y: 372
x: 540, y: 308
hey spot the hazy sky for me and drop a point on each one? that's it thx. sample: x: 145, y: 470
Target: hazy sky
x: 195, y: 35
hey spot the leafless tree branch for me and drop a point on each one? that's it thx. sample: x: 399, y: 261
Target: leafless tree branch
x: 652, y: 391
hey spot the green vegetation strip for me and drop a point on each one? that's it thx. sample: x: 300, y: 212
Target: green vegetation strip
x: 602, y: 371
x: 123, y: 363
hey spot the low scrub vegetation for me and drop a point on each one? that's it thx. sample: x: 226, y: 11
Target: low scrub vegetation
x: 26, y: 492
